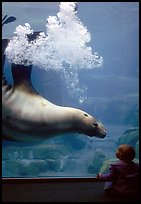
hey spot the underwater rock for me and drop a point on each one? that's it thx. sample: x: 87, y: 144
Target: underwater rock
x: 7, y: 171
x: 25, y: 167
x: 34, y: 167
x: 99, y: 158
x: 106, y: 164
x: 130, y: 137
x: 26, y: 161
x: 130, y: 130
x: 74, y: 142
x: 11, y: 153
x: 46, y: 151
x: 53, y: 165
x: 53, y: 151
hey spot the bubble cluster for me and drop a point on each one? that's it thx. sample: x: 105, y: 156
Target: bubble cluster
x: 63, y: 47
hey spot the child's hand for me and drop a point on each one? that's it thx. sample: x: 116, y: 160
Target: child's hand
x: 98, y: 176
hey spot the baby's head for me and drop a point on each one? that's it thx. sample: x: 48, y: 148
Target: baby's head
x: 125, y: 152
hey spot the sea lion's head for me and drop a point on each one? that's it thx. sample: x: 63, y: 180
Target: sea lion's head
x: 88, y: 125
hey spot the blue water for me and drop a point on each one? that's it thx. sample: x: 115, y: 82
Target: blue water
x: 110, y: 92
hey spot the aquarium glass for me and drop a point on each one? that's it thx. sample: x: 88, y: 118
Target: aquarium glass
x: 87, y: 57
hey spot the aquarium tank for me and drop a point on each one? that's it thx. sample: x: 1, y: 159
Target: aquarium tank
x: 86, y: 56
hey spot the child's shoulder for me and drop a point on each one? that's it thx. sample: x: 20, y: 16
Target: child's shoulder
x: 117, y: 162
x: 122, y: 163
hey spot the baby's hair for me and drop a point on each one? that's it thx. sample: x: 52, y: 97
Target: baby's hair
x: 127, y: 152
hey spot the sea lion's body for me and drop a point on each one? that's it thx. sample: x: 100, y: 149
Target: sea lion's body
x: 27, y: 116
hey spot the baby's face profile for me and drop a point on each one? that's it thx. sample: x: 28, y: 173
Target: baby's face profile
x: 118, y: 153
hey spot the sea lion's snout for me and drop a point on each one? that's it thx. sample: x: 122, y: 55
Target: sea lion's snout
x: 98, y: 130
x: 103, y: 134
x: 101, y: 130
x: 92, y: 127
x: 98, y: 134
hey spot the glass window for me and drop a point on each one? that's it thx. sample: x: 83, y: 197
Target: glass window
x: 83, y: 57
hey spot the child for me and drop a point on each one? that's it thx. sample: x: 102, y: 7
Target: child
x: 123, y: 177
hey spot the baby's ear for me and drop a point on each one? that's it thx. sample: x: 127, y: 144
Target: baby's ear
x: 120, y: 155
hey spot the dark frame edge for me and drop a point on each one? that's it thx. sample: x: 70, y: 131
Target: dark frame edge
x: 50, y: 179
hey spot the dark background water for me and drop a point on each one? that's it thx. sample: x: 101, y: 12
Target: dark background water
x: 112, y: 90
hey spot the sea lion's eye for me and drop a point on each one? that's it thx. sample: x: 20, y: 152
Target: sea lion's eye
x: 85, y: 114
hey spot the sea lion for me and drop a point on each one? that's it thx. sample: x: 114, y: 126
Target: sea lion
x: 27, y: 116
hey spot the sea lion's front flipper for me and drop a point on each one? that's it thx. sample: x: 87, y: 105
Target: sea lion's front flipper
x: 7, y: 19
